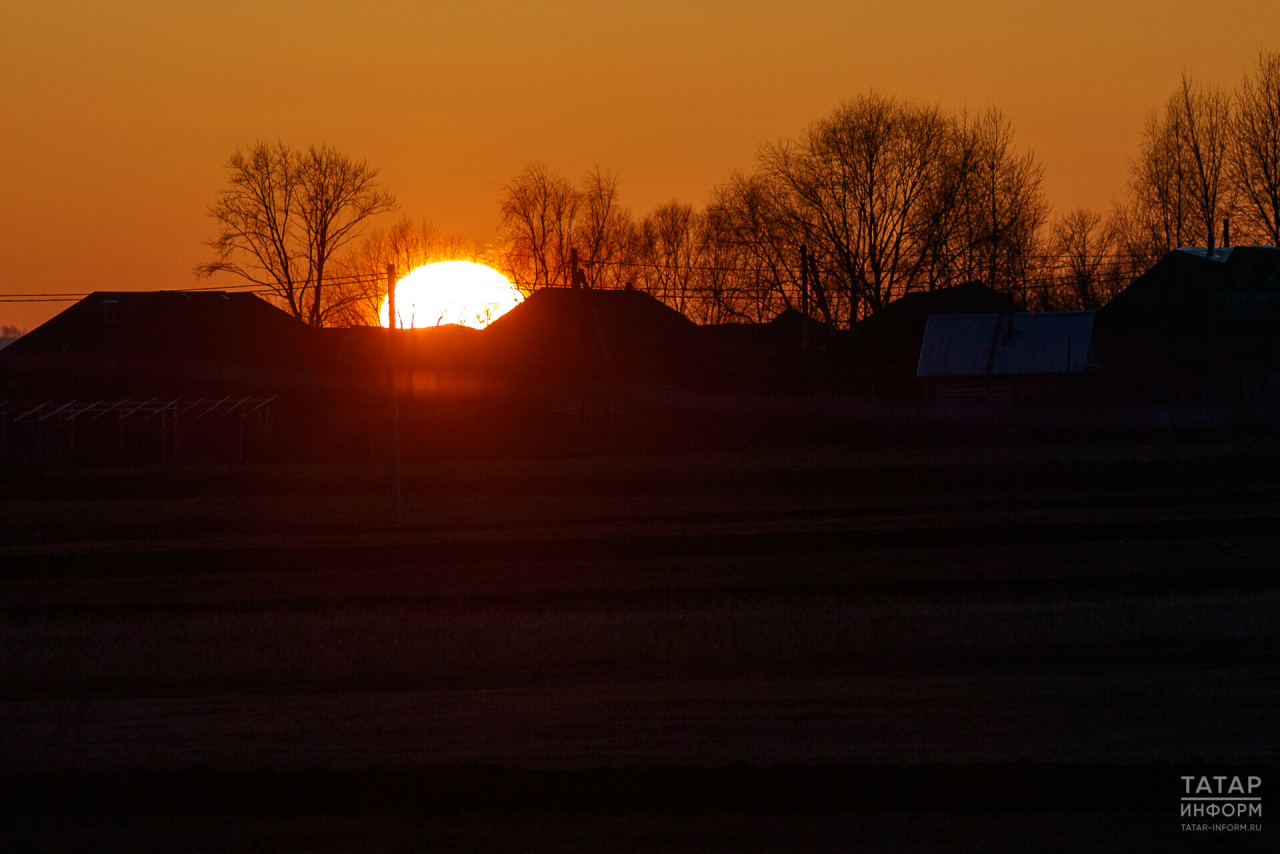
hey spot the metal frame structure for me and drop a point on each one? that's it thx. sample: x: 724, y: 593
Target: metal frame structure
x: 104, y: 431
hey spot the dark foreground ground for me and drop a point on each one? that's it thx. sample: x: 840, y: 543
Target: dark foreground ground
x: 904, y: 648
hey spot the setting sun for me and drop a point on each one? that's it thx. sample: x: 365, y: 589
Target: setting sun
x: 461, y: 292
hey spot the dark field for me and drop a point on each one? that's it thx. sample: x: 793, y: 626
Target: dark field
x: 905, y: 649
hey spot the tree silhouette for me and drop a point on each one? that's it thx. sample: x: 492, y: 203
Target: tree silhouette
x: 546, y: 219
x: 1086, y: 268
x: 1177, y: 186
x: 889, y: 197
x: 285, y: 214
x: 991, y: 210
x: 1255, y: 150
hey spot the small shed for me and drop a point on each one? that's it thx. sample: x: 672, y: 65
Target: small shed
x: 976, y: 363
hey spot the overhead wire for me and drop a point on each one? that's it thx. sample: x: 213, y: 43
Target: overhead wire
x: 1049, y: 276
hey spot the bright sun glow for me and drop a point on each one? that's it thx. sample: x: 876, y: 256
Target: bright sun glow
x: 459, y: 292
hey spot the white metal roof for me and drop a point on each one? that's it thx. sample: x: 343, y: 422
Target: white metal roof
x: 969, y: 345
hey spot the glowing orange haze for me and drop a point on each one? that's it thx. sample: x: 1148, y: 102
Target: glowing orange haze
x: 118, y: 117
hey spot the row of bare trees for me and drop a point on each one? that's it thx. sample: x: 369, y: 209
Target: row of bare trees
x: 1208, y: 157
x: 890, y: 197
x: 885, y: 196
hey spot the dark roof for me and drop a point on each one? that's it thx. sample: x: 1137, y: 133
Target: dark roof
x: 1051, y: 342
x: 1194, y: 309
x: 785, y: 332
x: 157, y: 339
x: 570, y: 332
x: 175, y: 324
x: 891, y: 338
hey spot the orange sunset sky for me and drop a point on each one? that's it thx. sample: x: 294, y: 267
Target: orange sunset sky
x: 118, y: 117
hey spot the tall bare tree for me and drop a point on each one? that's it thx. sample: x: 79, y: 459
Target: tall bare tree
x: 537, y: 208
x: 991, y: 205
x: 1178, y: 189
x: 603, y: 232
x: 859, y: 186
x: 889, y: 197
x: 669, y: 258
x: 1158, y: 211
x: 1206, y: 129
x: 757, y: 236
x: 285, y: 214
x: 547, y: 219
x: 1255, y: 150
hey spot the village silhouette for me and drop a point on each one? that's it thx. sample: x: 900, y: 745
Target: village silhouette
x: 225, y: 377
x: 863, y: 507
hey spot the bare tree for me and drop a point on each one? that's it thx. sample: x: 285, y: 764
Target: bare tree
x: 669, y: 257
x: 1086, y: 267
x: 538, y: 208
x: 603, y: 232
x: 1158, y: 212
x: 859, y: 184
x: 732, y: 286
x: 757, y: 236
x: 547, y: 219
x: 991, y: 207
x: 1178, y: 192
x: 1206, y: 129
x: 1255, y: 150
x: 9, y: 334
x: 285, y: 214
x: 889, y: 197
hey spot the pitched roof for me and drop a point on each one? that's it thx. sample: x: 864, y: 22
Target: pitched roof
x: 1192, y: 308
x: 170, y: 324
x: 155, y: 339
x: 967, y: 345
x: 893, y: 335
x: 568, y: 331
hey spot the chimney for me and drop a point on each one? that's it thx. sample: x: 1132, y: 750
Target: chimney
x: 1226, y: 232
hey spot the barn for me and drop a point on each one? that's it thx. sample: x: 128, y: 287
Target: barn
x: 984, y: 367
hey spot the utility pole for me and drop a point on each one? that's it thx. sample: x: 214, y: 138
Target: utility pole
x: 395, y: 397
x: 577, y: 278
x: 804, y: 297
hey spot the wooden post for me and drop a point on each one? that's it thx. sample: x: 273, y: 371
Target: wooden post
x: 398, y: 514
x: 804, y: 297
